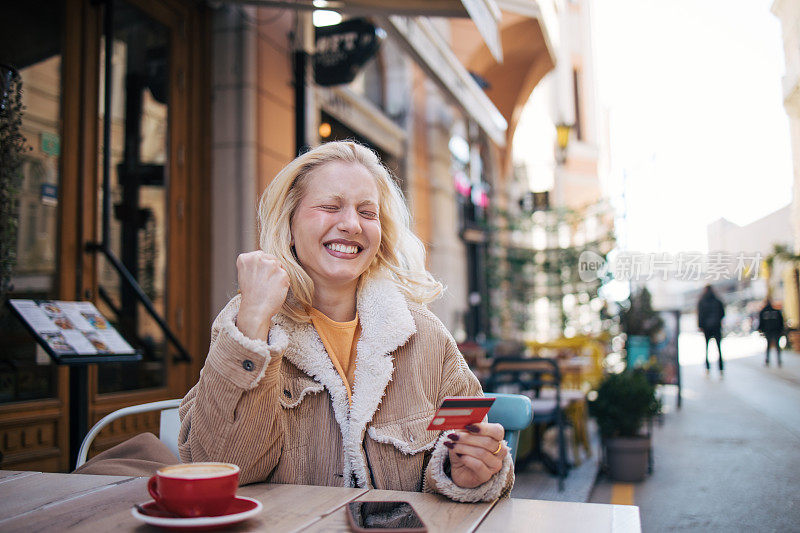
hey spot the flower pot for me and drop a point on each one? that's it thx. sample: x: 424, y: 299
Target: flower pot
x: 626, y: 458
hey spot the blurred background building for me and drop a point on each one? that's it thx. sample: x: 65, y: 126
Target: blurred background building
x: 787, y: 265
x: 788, y: 13
x: 760, y: 238
x: 554, y: 207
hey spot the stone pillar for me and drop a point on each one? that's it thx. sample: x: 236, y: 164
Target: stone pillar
x: 233, y: 175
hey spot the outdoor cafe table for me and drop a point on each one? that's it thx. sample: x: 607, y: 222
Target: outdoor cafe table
x: 35, y: 501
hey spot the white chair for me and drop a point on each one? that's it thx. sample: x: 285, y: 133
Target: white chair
x: 168, y: 429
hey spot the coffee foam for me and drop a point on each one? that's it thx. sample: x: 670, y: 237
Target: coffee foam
x: 199, y: 470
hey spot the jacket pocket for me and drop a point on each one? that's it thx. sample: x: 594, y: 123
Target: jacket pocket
x: 295, y: 388
x: 296, y: 398
x: 409, y: 436
x: 398, y: 451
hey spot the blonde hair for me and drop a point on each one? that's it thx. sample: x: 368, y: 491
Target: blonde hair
x: 401, y: 254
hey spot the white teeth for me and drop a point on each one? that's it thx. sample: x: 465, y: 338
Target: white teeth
x: 336, y: 247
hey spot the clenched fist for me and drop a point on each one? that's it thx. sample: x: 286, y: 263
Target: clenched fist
x: 264, y: 284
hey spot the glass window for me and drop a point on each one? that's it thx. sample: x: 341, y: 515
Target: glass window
x: 139, y: 180
x: 31, y: 35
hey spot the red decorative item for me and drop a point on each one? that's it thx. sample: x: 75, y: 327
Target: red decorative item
x: 462, y: 184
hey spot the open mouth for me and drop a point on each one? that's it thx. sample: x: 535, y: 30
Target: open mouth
x: 342, y: 248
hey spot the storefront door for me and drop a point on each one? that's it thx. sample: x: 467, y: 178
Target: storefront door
x: 112, y: 185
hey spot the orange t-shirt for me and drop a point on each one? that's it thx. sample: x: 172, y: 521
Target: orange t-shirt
x: 340, y: 340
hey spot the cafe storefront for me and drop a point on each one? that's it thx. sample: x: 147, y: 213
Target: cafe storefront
x: 113, y: 92
x: 153, y: 126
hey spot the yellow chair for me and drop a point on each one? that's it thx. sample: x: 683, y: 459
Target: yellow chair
x: 577, y: 380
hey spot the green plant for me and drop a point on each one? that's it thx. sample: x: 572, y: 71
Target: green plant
x: 12, y: 148
x: 519, y: 273
x: 640, y: 318
x: 623, y: 402
x: 780, y: 251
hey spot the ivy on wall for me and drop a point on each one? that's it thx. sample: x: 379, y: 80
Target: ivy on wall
x: 12, y: 148
x: 519, y: 273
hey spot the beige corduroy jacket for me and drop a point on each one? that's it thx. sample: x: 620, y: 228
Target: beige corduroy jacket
x: 279, y: 410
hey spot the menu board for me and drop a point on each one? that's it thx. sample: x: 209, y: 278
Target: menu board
x: 71, y: 329
x: 666, y: 349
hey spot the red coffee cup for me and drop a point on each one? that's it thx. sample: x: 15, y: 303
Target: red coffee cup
x: 195, y: 489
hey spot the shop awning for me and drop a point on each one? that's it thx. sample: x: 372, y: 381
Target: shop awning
x: 529, y: 35
x: 484, y: 13
x: 408, y: 21
x: 432, y: 53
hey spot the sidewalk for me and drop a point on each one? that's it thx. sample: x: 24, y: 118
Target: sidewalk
x: 729, y: 460
x: 536, y: 483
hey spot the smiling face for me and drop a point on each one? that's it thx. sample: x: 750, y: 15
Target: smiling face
x: 336, y: 227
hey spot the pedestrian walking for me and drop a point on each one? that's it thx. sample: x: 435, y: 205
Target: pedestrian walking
x: 710, y: 312
x: 770, y: 324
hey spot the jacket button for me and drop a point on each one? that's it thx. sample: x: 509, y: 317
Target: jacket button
x: 248, y: 365
x: 287, y: 393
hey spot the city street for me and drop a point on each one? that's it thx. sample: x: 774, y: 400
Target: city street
x: 292, y: 211
x: 728, y: 460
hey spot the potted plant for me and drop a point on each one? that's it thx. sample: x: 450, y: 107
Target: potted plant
x: 652, y: 370
x: 621, y: 406
x: 641, y: 323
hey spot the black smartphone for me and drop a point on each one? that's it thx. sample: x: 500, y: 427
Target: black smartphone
x: 373, y: 517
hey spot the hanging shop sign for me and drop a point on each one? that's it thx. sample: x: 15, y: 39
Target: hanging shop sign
x: 50, y: 143
x: 342, y: 49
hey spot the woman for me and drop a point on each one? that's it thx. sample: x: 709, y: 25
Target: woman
x: 327, y: 368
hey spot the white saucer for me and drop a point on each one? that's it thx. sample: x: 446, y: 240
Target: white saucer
x: 242, y: 509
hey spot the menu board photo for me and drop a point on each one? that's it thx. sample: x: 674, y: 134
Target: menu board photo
x: 68, y: 330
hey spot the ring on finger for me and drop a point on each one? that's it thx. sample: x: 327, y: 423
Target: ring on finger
x: 499, y: 445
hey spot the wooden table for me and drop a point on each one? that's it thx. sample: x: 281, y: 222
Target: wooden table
x: 34, y: 501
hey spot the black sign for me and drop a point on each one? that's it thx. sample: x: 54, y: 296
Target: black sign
x: 342, y: 49
x: 535, y: 201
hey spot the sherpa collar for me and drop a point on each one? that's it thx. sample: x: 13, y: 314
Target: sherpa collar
x: 386, y: 324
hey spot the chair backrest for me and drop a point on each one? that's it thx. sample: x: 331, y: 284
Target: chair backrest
x: 529, y: 374
x: 514, y: 412
x: 168, y: 428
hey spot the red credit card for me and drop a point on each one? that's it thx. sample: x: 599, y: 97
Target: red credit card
x: 458, y: 412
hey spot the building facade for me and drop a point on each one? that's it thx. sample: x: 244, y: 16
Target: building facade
x: 555, y: 199
x: 758, y: 240
x: 117, y: 175
x: 789, y: 14
x: 156, y: 124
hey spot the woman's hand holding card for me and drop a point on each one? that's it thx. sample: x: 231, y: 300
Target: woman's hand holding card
x: 476, y: 453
